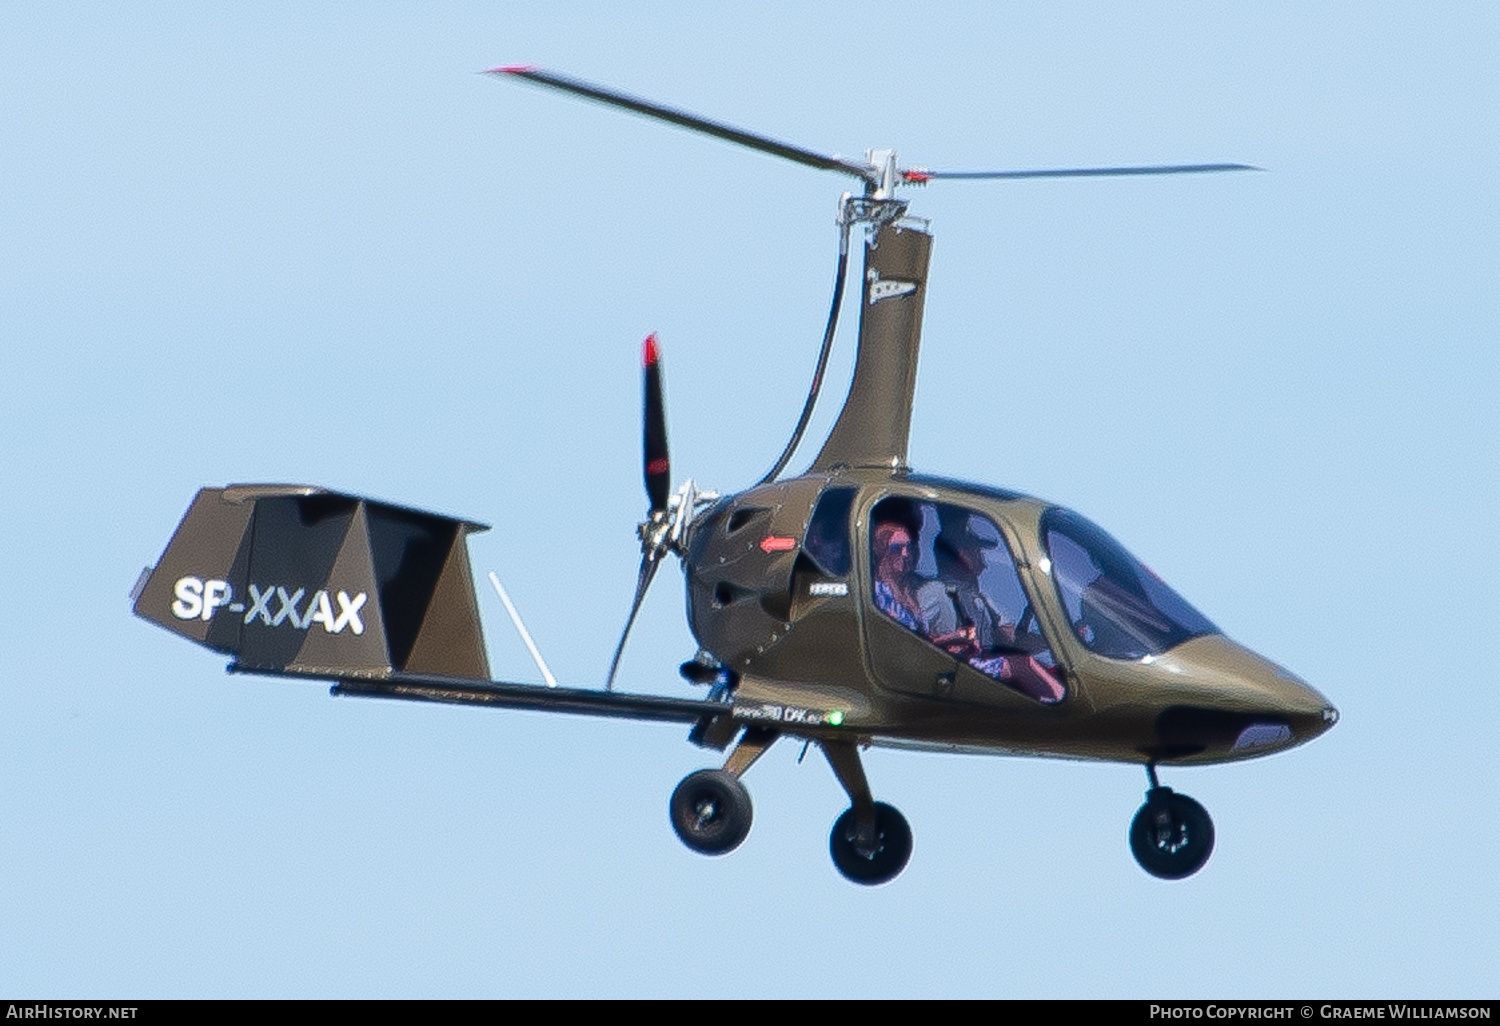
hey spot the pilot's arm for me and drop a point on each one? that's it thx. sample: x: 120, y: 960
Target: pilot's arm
x: 941, y: 616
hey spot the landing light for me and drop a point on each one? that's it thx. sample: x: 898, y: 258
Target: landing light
x: 1260, y: 735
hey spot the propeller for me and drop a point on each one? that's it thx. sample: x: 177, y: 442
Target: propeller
x: 668, y: 513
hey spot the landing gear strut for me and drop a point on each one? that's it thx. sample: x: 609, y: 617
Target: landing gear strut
x: 1171, y: 836
x: 870, y: 842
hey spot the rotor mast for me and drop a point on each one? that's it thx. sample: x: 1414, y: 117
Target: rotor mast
x: 874, y: 425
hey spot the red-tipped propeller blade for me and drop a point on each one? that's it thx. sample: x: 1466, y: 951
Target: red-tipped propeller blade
x: 658, y: 468
x: 658, y: 463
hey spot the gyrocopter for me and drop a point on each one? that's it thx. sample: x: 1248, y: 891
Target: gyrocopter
x: 858, y: 603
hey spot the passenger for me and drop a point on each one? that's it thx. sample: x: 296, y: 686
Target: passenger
x: 895, y: 559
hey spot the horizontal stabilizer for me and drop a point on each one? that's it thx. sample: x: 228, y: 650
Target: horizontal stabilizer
x: 499, y: 694
x: 297, y: 579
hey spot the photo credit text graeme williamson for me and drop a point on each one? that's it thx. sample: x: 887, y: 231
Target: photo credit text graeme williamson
x: 1324, y: 1010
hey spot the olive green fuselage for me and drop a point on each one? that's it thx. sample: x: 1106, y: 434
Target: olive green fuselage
x: 815, y: 656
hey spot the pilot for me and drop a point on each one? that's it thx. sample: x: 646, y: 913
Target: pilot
x: 895, y: 560
x: 958, y: 615
x: 962, y: 619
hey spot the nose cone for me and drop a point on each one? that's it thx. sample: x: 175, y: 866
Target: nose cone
x: 1244, y: 705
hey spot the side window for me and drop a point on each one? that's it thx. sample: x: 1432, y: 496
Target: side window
x: 827, y: 540
x: 944, y: 572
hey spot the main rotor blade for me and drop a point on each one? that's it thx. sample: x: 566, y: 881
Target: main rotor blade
x: 684, y: 119
x: 649, y: 563
x: 918, y: 175
x: 658, y: 463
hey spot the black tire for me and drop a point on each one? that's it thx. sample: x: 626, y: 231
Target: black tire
x: 711, y: 811
x: 1171, y: 836
x: 893, y: 847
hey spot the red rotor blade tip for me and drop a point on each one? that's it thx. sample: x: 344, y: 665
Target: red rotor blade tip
x: 648, y: 351
x: 512, y: 69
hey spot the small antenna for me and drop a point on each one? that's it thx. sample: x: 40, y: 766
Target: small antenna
x: 515, y: 618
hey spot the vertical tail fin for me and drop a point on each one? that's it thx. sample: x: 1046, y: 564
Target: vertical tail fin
x: 297, y: 579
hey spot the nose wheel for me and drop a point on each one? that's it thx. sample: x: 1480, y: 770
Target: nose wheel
x: 1171, y: 836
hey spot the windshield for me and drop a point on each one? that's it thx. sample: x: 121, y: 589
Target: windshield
x: 1116, y: 606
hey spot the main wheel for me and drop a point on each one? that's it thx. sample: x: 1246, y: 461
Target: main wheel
x: 892, y: 847
x: 711, y: 811
x: 1171, y: 836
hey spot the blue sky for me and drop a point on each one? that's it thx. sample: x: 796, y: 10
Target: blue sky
x: 274, y: 245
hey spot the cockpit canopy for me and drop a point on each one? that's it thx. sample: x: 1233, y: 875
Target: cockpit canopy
x: 1115, y: 605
